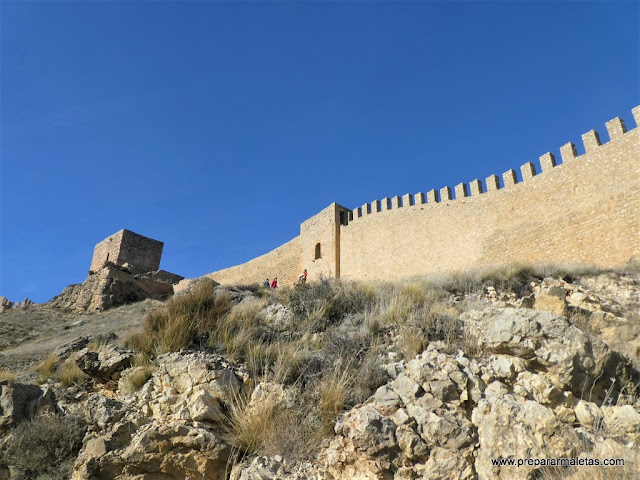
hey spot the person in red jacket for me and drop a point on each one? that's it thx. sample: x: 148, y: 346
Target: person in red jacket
x: 302, y: 279
x: 274, y: 283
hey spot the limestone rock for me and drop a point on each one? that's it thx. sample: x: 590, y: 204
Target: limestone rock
x: 63, y: 351
x: 260, y: 468
x: 587, y: 413
x: 19, y: 402
x: 189, y: 387
x: 510, y: 427
x: 107, y: 363
x: 101, y: 411
x: 552, y: 300
x: 110, y: 287
x: 172, y: 451
x: 621, y: 420
x: 550, y: 344
x: 188, y: 284
x: 277, y: 316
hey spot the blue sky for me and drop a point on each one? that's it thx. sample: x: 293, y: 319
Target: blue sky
x: 218, y: 127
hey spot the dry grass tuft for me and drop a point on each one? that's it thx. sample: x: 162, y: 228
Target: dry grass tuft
x: 136, y: 379
x: 186, y: 319
x: 46, y: 367
x: 7, y: 375
x: 333, y: 394
x: 249, y: 426
x: 70, y: 373
x: 269, y: 428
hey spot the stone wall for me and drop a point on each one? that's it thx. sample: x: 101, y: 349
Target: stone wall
x: 284, y: 262
x: 142, y: 254
x: 320, y: 239
x: 106, y: 251
x: 585, y: 210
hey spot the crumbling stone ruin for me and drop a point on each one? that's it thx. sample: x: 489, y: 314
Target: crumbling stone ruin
x: 138, y: 254
x: 124, y: 270
x: 6, y: 304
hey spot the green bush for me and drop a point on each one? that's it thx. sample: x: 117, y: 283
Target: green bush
x: 44, y: 447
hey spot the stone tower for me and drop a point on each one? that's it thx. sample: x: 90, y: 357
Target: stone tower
x: 142, y: 254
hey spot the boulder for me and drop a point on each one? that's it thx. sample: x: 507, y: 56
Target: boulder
x: 63, y: 351
x: 189, y: 387
x: 111, y: 287
x: 171, y: 451
x: 553, y: 300
x: 548, y: 343
x: 621, y: 420
x: 20, y: 402
x: 107, y: 363
x: 509, y: 426
x: 587, y: 413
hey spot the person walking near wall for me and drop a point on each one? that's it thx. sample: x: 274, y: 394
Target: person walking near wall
x: 302, y: 279
x: 274, y: 284
x: 266, y: 283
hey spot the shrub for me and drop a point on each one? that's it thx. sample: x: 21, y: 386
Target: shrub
x: 44, y: 446
x: 323, y: 303
x: 270, y: 428
x: 185, y: 319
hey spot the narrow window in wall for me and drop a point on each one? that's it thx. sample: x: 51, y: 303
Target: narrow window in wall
x: 317, y: 255
x: 107, y: 258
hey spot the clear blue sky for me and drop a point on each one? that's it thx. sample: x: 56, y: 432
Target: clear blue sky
x: 218, y: 127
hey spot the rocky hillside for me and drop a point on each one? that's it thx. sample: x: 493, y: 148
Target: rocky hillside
x: 447, y: 378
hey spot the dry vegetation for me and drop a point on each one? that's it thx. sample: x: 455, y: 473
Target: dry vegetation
x: 338, y: 335
x: 43, y: 448
x: 6, y: 375
x: 46, y: 368
x: 70, y: 374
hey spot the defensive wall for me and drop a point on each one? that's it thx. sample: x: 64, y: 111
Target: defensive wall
x: 142, y: 254
x: 584, y: 209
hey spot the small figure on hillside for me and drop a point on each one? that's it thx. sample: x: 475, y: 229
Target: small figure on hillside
x: 302, y: 279
x: 266, y: 283
x: 274, y: 284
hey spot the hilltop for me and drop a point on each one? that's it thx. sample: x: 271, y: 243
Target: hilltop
x: 429, y: 377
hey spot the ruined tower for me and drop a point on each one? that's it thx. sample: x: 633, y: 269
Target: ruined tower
x: 141, y: 254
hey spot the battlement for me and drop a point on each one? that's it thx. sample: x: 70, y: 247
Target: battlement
x: 572, y: 209
x: 528, y: 172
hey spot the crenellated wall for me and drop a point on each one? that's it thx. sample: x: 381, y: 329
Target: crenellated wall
x: 584, y: 210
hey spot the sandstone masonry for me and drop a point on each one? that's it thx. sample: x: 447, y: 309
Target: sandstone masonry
x: 582, y: 210
x: 141, y: 254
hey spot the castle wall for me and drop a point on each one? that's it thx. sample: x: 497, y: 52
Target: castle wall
x: 284, y: 262
x: 141, y: 253
x: 583, y: 211
x: 320, y: 239
x: 107, y: 250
